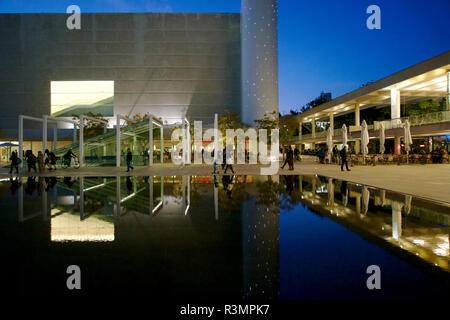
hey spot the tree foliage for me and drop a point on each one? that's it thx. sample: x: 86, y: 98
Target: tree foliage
x: 91, y: 128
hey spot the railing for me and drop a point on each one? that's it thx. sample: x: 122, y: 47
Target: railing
x: 417, y: 120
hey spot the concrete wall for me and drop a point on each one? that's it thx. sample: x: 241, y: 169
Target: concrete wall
x: 259, y: 31
x: 166, y: 64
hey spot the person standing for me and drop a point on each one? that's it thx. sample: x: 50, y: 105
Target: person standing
x: 14, y: 162
x: 228, y: 166
x: 31, y: 160
x: 40, y: 161
x: 335, y: 155
x: 288, y: 155
x: 344, y: 158
x: 129, y: 160
x: 51, y: 159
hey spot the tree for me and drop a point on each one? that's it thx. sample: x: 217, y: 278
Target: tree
x: 427, y: 106
x: 322, y: 98
x: 230, y: 121
x: 92, y: 128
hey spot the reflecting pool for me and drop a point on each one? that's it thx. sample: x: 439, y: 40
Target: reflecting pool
x: 221, y: 237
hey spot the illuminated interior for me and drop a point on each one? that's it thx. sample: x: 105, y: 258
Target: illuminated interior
x: 70, y: 98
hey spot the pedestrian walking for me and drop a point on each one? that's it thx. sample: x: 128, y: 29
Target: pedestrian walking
x: 289, y: 155
x: 31, y: 160
x: 14, y: 162
x: 344, y: 158
x: 129, y: 160
x: 51, y: 159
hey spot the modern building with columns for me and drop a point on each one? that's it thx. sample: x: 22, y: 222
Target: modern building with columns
x: 426, y: 81
x: 175, y: 66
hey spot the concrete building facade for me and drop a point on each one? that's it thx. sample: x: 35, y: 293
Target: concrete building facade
x: 170, y: 65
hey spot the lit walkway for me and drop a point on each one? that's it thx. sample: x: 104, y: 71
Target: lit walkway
x: 430, y: 181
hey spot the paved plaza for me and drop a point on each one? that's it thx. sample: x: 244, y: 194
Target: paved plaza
x: 430, y: 181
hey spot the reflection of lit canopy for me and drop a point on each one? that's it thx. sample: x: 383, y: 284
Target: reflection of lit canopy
x: 430, y: 244
x: 67, y: 227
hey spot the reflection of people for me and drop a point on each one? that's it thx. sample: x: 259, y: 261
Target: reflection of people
x: 344, y: 158
x: 68, y: 181
x: 31, y: 185
x: 50, y: 183
x: 15, y: 185
x: 227, y: 182
x: 129, y: 185
x: 289, y: 183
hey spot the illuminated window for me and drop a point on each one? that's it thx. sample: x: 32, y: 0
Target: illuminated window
x: 69, y: 98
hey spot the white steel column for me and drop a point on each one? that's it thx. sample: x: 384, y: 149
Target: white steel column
x: 20, y: 140
x: 150, y: 190
x: 189, y: 149
x: 300, y: 126
x: 74, y: 133
x: 118, y: 141
x: 55, y: 136
x: 81, y: 144
x: 357, y: 123
x: 448, y: 91
x: 332, y: 121
x: 395, y: 104
x: 183, y: 130
x: 357, y: 115
x: 216, y: 137
x: 313, y: 127
x: 44, y: 133
x: 162, y: 143
x: 150, y: 141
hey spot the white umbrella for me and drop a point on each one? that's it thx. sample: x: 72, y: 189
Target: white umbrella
x: 344, y: 134
x: 330, y: 142
x: 364, y: 139
x: 382, y: 138
x: 407, y: 137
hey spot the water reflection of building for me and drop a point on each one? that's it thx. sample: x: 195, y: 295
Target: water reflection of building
x: 260, y: 241
x: 215, y: 244
x: 399, y: 223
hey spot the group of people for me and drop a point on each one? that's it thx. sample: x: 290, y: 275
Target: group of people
x: 46, y: 159
x: 289, y: 159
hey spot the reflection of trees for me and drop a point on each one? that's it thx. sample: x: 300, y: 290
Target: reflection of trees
x: 290, y: 196
x: 239, y: 195
x: 92, y: 205
x: 268, y: 193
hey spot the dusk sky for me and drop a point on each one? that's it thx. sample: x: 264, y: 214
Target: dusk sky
x: 323, y: 45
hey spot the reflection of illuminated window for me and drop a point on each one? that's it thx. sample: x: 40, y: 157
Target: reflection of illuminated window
x: 70, y: 98
x: 68, y: 227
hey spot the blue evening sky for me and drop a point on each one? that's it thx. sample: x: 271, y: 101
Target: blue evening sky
x: 323, y: 45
